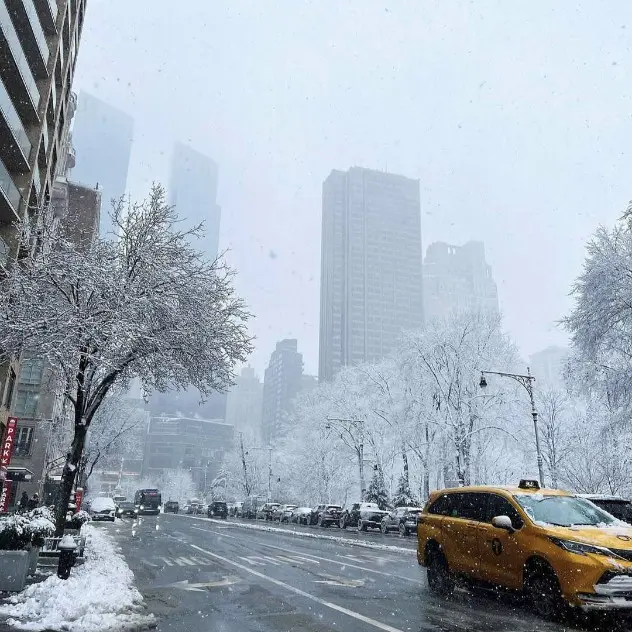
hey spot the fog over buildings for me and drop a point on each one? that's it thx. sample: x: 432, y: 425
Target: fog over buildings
x: 437, y: 92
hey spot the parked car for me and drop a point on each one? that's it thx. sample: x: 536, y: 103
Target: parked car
x: 172, y: 506
x: 102, y: 508
x: 194, y: 507
x: 282, y: 513
x: 363, y: 516
x: 266, y: 510
x: 402, y: 519
x: 616, y: 506
x: 217, y: 509
x: 126, y: 510
x: 301, y: 515
x: 250, y: 507
x: 328, y: 515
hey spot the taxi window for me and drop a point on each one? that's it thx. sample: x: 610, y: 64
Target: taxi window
x: 499, y: 506
x: 470, y: 506
x: 442, y: 506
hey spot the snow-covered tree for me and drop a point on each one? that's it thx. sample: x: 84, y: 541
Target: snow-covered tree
x: 376, y: 493
x: 403, y: 496
x: 177, y: 485
x: 148, y: 306
x: 113, y: 433
x: 601, y: 322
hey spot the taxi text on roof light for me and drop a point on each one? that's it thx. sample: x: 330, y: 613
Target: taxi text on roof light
x: 526, y: 483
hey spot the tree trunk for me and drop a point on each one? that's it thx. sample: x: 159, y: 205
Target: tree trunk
x: 405, y: 460
x: 68, y: 477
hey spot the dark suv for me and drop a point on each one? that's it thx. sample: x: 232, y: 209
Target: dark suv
x: 217, y: 509
x: 363, y: 516
x: 172, y: 506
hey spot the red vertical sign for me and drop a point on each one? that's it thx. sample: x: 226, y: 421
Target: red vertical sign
x: 5, y: 494
x: 6, y: 451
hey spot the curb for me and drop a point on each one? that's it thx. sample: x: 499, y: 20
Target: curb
x: 302, y: 534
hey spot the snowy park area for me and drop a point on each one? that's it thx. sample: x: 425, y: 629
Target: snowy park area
x: 99, y: 595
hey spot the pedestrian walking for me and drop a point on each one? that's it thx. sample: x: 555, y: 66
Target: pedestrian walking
x: 34, y: 501
x: 24, y: 502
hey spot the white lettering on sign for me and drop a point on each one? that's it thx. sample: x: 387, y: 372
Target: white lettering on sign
x: 7, y: 443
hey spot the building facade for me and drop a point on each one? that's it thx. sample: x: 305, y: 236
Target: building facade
x: 371, y: 279
x: 244, y: 403
x: 282, y: 382
x: 39, y: 42
x: 457, y: 278
x: 193, y: 192
x: 198, y: 445
x: 102, y: 136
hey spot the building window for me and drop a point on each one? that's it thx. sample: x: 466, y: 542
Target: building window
x: 23, y: 442
x: 26, y: 402
x: 31, y: 372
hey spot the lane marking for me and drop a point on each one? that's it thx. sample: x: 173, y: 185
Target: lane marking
x: 345, y: 563
x: 166, y: 560
x: 221, y: 535
x: 302, y: 593
x: 251, y: 561
x: 272, y: 560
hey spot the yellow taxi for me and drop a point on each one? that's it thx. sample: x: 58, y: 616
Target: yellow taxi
x: 558, y: 548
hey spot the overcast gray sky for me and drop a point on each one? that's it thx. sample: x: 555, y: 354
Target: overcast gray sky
x: 515, y: 116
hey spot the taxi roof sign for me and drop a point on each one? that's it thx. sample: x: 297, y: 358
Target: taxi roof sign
x: 527, y: 483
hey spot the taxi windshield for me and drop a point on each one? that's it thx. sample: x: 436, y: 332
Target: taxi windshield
x: 564, y: 511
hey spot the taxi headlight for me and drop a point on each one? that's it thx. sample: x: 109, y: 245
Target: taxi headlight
x: 581, y: 548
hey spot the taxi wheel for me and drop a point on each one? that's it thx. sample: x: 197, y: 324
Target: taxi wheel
x: 545, y: 594
x: 440, y: 580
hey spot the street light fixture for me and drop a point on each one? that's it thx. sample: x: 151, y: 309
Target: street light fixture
x: 526, y: 381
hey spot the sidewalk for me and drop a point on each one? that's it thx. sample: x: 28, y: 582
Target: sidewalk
x: 98, y: 596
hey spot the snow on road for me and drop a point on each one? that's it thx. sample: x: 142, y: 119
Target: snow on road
x: 99, y: 595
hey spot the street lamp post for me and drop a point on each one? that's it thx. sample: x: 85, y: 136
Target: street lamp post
x: 360, y: 448
x: 526, y: 381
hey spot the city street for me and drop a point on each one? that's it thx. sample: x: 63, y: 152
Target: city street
x: 196, y: 574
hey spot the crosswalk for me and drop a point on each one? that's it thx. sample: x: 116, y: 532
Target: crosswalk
x: 285, y: 559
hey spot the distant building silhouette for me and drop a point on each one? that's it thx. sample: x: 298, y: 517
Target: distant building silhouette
x: 548, y: 366
x: 102, y: 136
x: 244, y: 403
x: 371, y: 283
x: 457, y: 278
x: 282, y: 382
x: 193, y: 192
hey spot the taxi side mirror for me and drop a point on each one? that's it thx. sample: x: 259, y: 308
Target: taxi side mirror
x: 503, y: 522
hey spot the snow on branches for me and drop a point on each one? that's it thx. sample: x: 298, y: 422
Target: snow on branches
x: 148, y: 305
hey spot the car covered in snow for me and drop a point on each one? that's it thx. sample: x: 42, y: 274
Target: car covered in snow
x: 282, y: 513
x: 327, y: 515
x: 362, y: 515
x: 102, y: 508
x: 402, y: 519
x: 266, y: 511
x: 301, y: 515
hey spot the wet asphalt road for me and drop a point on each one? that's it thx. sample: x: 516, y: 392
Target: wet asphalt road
x: 197, y: 576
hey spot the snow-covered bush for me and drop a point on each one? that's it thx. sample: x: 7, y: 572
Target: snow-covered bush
x: 78, y: 520
x: 20, y: 531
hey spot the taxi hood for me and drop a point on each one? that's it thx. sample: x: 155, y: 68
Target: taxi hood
x: 617, y: 536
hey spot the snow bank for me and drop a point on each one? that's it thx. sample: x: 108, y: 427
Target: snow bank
x: 314, y: 536
x: 99, y: 595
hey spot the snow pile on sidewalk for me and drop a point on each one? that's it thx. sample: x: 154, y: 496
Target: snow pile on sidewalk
x: 98, y: 596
